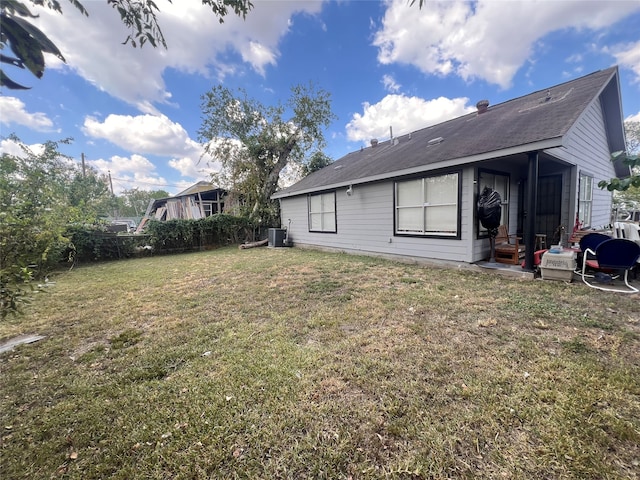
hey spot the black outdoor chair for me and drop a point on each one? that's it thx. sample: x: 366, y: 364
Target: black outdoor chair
x: 589, y: 241
x: 614, y: 255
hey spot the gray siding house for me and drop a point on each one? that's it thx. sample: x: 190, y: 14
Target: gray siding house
x: 415, y: 196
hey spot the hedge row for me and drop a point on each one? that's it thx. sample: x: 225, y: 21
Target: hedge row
x: 90, y: 243
x: 183, y: 235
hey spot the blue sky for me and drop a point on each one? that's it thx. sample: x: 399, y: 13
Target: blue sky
x: 136, y: 112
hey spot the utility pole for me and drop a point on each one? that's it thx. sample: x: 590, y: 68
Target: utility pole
x: 110, y: 182
x: 84, y: 167
x: 115, y: 211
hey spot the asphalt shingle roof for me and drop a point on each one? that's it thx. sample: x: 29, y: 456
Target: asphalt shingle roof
x: 542, y: 115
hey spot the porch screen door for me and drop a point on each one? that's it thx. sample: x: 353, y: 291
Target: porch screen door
x: 548, y: 207
x: 549, y: 203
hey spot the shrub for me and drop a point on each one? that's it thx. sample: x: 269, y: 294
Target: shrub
x: 92, y: 243
x: 184, y: 235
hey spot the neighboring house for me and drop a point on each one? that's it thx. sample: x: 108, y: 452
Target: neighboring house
x: 198, y: 201
x: 416, y: 195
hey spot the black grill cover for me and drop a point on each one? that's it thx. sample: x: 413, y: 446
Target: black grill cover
x: 489, y: 208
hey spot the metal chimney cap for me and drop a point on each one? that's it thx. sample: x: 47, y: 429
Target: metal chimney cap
x: 482, y: 106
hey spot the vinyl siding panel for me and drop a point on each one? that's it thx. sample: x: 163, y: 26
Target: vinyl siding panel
x: 365, y: 219
x: 365, y: 224
x: 587, y: 148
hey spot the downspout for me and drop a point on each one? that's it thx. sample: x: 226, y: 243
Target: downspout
x: 531, y: 203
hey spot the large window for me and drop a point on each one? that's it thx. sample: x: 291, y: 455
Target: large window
x: 322, y: 212
x: 428, y: 206
x: 500, y: 183
x: 585, y: 199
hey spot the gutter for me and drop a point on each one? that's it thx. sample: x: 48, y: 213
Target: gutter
x: 540, y: 145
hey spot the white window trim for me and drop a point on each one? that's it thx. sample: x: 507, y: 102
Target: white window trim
x: 323, y: 228
x: 425, y: 206
x: 504, y: 202
x: 585, y: 198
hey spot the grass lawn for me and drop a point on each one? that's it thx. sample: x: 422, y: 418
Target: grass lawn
x: 286, y: 363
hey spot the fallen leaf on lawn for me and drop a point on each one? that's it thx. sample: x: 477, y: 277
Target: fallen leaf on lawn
x: 73, y: 455
x: 489, y: 322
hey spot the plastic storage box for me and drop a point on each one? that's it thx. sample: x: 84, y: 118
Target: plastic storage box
x: 558, y: 266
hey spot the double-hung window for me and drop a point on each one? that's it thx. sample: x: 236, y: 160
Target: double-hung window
x: 322, y: 212
x: 585, y: 199
x: 428, y: 206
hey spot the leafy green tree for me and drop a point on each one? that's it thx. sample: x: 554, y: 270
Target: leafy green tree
x: 632, y: 132
x: 134, y: 202
x: 317, y: 161
x: 34, y: 213
x: 627, y: 190
x: 88, y: 192
x: 255, y: 142
x: 29, y: 44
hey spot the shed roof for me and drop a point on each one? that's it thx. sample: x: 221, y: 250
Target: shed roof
x: 535, y: 121
x: 201, y: 186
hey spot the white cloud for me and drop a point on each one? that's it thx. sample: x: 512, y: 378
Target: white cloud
x: 152, y: 134
x: 633, y: 118
x: 197, y: 43
x: 258, y: 55
x: 136, y: 165
x: 390, y: 84
x: 14, y: 112
x: 197, y: 170
x: 10, y: 147
x: 485, y: 39
x: 404, y: 114
x: 628, y: 56
x: 129, y: 172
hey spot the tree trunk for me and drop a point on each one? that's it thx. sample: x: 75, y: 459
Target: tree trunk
x: 261, y: 243
x: 271, y: 183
